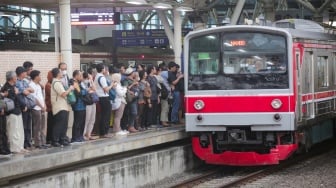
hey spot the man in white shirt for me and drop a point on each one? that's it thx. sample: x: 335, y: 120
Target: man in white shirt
x: 38, y: 112
x: 102, y: 89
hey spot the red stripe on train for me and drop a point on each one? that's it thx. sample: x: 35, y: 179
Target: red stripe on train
x: 239, y: 104
x: 319, y: 95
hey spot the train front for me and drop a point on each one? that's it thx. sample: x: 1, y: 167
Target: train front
x: 240, y: 101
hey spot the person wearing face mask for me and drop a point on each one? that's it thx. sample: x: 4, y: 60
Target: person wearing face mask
x: 65, y: 78
x: 90, y: 116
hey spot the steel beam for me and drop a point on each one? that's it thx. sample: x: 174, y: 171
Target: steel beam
x: 236, y: 14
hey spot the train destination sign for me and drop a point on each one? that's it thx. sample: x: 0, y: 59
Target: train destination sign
x: 95, y: 18
x: 154, y: 37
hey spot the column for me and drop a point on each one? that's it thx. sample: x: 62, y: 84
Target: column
x: 177, y: 36
x: 57, y: 32
x: 65, y: 33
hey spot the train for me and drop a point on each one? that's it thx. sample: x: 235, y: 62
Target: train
x: 256, y: 95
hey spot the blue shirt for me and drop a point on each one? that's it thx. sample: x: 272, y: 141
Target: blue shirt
x: 79, y: 105
x: 21, y: 85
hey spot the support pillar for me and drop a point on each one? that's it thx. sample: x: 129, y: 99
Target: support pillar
x: 65, y: 33
x: 57, y: 32
x: 166, y: 27
x: 177, y: 36
x: 82, y: 31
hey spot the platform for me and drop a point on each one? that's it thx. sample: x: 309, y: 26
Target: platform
x: 42, y: 160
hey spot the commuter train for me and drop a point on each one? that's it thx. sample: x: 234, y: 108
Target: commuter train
x: 255, y: 95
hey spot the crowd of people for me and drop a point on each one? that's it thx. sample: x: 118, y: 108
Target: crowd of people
x: 129, y: 99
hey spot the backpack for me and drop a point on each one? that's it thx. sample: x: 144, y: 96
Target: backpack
x: 112, y: 93
x: 164, y: 91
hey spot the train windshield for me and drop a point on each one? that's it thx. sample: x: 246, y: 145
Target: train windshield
x: 236, y: 61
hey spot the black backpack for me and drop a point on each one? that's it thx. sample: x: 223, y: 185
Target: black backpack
x: 164, y: 91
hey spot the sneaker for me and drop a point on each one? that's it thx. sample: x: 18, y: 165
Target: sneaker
x: 121, y: 133
x: 125, y: 131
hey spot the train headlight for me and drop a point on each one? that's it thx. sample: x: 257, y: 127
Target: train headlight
x: 199, y: 105
x: 276, y: 103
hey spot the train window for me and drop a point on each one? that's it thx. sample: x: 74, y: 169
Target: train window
x: 322, y: 71
x: 250, y: 53
x: 238, y: 61
x: 204, y: 55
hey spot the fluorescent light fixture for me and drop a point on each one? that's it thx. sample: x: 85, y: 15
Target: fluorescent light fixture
x: 136, y: 2
x: 162, y: 6
x: 227, y: 44
x: 184, y: 9
x: 211, y: 37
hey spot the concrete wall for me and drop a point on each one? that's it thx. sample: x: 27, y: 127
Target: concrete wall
x: 43, y: 61
x: 134, y: 171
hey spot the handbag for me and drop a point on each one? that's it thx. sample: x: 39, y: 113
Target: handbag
x: 27, y: 100
x: 71, y: 98
x: 7, y: 104
x: 87, y: 99
x: 95, y: 97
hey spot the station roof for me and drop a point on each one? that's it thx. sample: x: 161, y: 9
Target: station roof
x: 97, y: 4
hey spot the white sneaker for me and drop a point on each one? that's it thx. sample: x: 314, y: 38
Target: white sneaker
x: 125, y: 131
x: 121, y: 133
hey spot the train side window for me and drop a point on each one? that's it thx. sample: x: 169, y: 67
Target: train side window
x: 204, y: 55
x: 322, y: 71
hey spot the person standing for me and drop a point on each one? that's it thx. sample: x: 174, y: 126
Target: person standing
x: 90, y: 115
x: 49, y: 108
x: 143, y: 101
x: 65, y: 78
x: 119, y: 103
x: 29, y: 67
x: 162, y: 77
x: 38, y: 112
x: 14, y: 120
x: 79, y: 108
x: 173, y: 80
x: 152, y: 113
x: 131, y: 109
x: 103, y: 89
x: 60, y: 108
x: 4, y: 147
x: 25, y: 89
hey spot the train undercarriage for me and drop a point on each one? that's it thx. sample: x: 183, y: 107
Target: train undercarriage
x: 239, y: 146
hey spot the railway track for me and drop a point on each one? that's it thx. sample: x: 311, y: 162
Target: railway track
x: 235, y: 177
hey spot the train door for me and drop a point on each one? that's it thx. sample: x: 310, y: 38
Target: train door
x: 299, y: 85
x: 308, y: 73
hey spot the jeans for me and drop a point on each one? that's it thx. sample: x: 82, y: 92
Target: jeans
x: 132, y: 113
x: 106, y: 110
x: 176, y: 106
